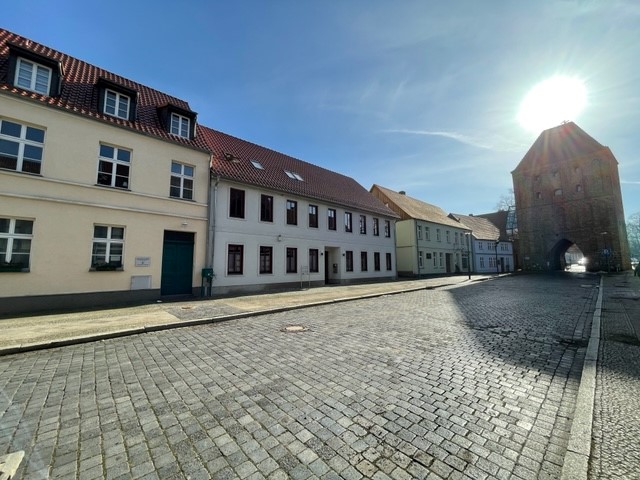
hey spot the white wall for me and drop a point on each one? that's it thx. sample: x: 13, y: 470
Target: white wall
x: 252, y: 233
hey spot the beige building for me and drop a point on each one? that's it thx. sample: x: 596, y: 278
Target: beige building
x: 103, y: 185
x: 428, y: 241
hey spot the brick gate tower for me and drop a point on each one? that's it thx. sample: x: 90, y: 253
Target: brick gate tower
x: 567, y: 192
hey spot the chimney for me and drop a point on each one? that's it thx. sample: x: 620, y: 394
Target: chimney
x: 402, y: 192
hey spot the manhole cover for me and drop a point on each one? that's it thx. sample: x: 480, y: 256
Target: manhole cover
x: 295, y: 328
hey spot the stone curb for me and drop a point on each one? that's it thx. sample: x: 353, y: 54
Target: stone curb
x: 30, y: 347
x: 576, y: 460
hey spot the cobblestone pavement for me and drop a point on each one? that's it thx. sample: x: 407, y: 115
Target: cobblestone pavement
x: 616, y: 422
x: 474, y: 382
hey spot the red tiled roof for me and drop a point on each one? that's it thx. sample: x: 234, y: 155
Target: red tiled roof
x: 317, y: 183
x: 408, y: 207
x: 559, y: 144
x: 481, y: 228
x: 79, y: 92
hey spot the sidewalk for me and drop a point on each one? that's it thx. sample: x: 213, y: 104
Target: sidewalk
x: 616, y: 418
x: 47, y: 331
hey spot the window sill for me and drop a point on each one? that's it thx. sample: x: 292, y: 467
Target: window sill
x: 20, y: 172
x: 14, y: 270
x: 183, y: 199
x: 122, y: 189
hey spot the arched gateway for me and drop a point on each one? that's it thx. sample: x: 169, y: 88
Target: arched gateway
x: 567, y: 192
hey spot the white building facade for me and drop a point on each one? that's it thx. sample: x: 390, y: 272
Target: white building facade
x: 280, y: 222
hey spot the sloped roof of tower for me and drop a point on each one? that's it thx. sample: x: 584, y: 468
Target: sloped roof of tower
x: 245, y: 162
x: 559, y: 144
x: 408, y: 207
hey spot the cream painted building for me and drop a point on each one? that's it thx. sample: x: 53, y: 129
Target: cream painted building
x: 428, y: 241
x: 103, y: 185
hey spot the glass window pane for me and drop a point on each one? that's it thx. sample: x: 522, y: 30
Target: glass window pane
x: 176, y: 167
x: 99, y: 249
x: 117, y: 233
x: 4, y: 225
x: 188, y: 184
x: 122, y: 170
x: 30, y: 166
x: 188, y: 171
x: 21, y: 245
x: 105, y: 167
x: 124, y: 155
x: 24, y: 74
x: 174, y: 192
x: 10, y: 128
x: 175, y: 182
x: 7, y: 147
x: 24, y: 227
x: 3, y: 248
x: 106, y: 151
x: 35, y: 134
x: 116, y: 250
x: 100, y: 231
x: 42, y: 80
x: 32, y: 153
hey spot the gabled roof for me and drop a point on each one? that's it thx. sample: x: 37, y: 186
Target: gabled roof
x: 558, y: 144
x: 500, y: 220
x: 232, y: 160
x: 79, y: 91
x: 408, y: 207
x: 481, y: 228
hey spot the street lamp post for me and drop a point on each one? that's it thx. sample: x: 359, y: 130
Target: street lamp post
x: 468, y: 235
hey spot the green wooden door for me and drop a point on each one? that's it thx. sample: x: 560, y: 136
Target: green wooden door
x: 177, y: 263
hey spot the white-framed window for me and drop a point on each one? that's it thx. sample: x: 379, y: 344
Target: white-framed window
x: 235, y: 259
x: 435, y: 259
x: 21, y: 147
x: 441, y: 259
x: 181, y: 181
x: 376, y: 227
x: 15, y: 244
x: 448, y: 236
x: 420, y: 259
x: 455, y: 238
x: 438, y: 238
x: 113, y: 166
x: 108, y: 247
x: 427, y: 233
x: 419, y: 232
x: 481, y: 262
x: 116, y: 104
x: 387, y: 228
x: 180, y: 125
x: 33, y: 76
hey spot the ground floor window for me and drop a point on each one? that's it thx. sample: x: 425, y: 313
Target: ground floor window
x: 292, y: 260
x: 15, y: 244
x: 349, y: 260
x: 266, y: 259
x: 376, y: 261
x: 481, y: 262
x: 313, y: 260
x: 108, y: 246
x: 363, y: 261
x: 420, y: 259
x: 234, y: 259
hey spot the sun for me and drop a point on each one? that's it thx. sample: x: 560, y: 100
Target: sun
x: 551, y: 102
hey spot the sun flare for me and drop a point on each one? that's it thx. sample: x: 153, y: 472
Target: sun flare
x: 551, y: 102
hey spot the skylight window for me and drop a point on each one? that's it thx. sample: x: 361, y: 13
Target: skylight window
x: 257, y: 164
x: 294, y: 175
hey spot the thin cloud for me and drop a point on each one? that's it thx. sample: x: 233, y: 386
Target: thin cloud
x: 493, y: 142
x: 630, y: 182
x: 458, y: 137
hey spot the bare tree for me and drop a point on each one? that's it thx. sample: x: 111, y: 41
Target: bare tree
x: 506, y: 201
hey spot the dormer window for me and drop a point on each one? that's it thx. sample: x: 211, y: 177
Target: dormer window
x: 34, y: 72
x: 179, y: 121
x: 117, y: 104
x: 117, y: 100
x: 180, y: 125
x: 33, y: 76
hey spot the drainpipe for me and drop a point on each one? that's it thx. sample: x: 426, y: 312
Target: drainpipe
x: 417, y: 250
x: 213, y: 195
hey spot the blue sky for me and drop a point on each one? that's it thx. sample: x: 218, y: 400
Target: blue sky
x: 420, y: 96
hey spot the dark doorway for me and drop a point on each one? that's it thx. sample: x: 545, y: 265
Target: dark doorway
x: 177, y: 263
x: 557, y: 255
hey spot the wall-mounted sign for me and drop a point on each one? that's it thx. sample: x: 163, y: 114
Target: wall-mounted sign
x: 143, y: 261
